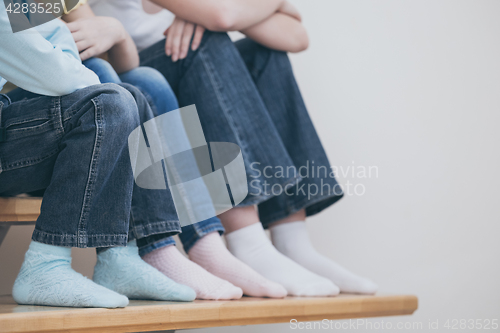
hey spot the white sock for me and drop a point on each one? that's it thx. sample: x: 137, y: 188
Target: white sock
x: 251, y: 245
x: 173, y: 264
x: 292, y: 240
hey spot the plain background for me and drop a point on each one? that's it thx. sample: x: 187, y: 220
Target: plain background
x: 411, y: 87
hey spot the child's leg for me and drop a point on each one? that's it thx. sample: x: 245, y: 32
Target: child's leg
x: 157, y: 249
x: 172, y: 263
x: 154, y: 86
x: 214, y: 257
x: 248, y: 242
x: 290, y: 237
x: 121, y: 268
x: 203, y: 243
x: 273, y: 76
x: 161, y: 253
x: 318, y: 189
x: 215, y: 79
x: 103, y: 69
x: 130, y: 275
x: 105, y: 118
x: 46, y: 278
x: 82, y: 206
x: 87, y: 202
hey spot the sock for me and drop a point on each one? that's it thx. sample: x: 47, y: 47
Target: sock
x: 46, y: 278
x: 121, y: 269
x: 292, y: 240
x: 176, y: 266
x: 210, y: 253
x: 251, y: 245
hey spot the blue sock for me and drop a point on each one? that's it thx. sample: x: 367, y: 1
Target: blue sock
x: 121, y: 269
x: 46, y: 278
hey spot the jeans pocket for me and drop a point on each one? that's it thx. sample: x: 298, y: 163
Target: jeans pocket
x: 32, y: 131
x: 20, y: 127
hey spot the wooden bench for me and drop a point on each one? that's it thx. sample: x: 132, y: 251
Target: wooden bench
x: 17, y: 211
x: 142, y: 316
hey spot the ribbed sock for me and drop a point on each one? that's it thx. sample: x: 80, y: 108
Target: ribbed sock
x: 210, y: 253
x: 251, y: 245
x: 121, y: 269
x: 46, y: 278
x: 292, y: 240
x: 176, y: 266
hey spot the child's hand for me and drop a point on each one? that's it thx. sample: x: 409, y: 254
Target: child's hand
x: 179, y: 36
x: 96, y: 35
x: 288, y: 9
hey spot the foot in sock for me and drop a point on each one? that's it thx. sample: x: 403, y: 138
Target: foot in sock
x: 121, y: 269
x: 251, y: 245
x: 46, y: 278
x: 292, y: 240
x: 176, y: 266
x: 210, y: 253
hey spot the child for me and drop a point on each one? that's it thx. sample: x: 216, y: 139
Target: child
x: 67, y: 133
x: 154, y: 86
x: 246, y: 93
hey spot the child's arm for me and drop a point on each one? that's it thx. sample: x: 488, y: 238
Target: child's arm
x: 96, y: 35
x: 280, y: 32
x: 222, y: 15
x: 34, y: 64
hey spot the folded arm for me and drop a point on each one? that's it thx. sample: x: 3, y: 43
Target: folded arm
x: 280, y: 32
x: 275, y: 24
x: 222, y: 15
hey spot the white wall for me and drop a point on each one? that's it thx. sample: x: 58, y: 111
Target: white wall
x: 411, y: 87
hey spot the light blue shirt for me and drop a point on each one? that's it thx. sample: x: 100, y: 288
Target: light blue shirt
x: 43, y: 60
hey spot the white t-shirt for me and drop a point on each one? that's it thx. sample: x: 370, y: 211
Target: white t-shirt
x: 145, y: 29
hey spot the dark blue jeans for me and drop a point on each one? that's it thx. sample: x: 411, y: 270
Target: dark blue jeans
x: 247, y: 94
x: 161, y: 98
x: 75, y: 147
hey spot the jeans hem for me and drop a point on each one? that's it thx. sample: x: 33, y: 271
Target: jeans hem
x: 99, y: 240
x: 143, y: 250
x: 312, y: 207
x: 187, y: 244
x: 143, y: 230
x: 260, y: 199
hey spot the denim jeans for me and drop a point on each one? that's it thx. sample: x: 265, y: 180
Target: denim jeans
x: 161, y: 98
x: 75, y: 147
x: 247, y: 94
x: 318, y: 189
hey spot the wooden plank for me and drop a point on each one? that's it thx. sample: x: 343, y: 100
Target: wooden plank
x: 19, y: 209
x: 8, y: 87
x: 141, y: 316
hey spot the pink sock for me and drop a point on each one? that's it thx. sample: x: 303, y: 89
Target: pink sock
x: 211, y: 253
x: 176, y: 266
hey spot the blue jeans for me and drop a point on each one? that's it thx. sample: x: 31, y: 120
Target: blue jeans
x: 75, y: 148
x: 246, y: 93
x: 161, y: 98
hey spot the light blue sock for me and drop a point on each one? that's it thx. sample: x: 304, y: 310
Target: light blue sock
x: 46, y: 278
x: 121, y: 269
